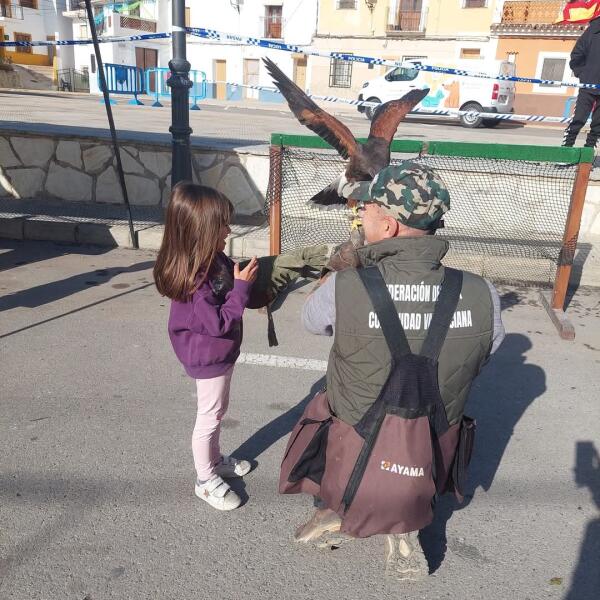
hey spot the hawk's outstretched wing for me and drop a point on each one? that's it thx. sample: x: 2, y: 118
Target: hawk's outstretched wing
x: 388, y: 116
x: 384, y: 125
x: 308, y: 113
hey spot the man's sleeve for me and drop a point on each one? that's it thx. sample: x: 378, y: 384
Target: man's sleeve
x: 579, y: 54
x: 499, y: 333
x: 318, y: 312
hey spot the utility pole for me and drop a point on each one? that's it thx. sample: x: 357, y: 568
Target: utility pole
x: 180, y: 85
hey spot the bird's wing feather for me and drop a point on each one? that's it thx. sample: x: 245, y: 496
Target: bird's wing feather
x: 389, y: 115
x: 309, y: 114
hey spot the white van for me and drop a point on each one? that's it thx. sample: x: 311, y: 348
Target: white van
x: 448, y: 91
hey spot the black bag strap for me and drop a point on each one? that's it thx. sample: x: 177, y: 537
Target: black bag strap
x: 271, y: 335
x: 444, y: 312
x: 386, y: 311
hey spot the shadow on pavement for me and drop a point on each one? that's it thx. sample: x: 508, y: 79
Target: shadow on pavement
x: 506, y: 388
x: 279, y: 427
x: 17, y: 253
x: 585, y: 584
x: 56, y: 290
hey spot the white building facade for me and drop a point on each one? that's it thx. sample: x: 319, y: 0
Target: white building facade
x: 290, y: 21
x: 31, y: 21
x: 120, y: 19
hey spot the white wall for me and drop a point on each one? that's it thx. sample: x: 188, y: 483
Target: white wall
x: 60, y: 27
x: 123, y: 53
x: 45, y: 21
x: 31, y: 23
x: 299, y: 25
x: 299, y: 21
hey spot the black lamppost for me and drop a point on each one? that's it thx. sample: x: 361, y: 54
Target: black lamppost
x: 180, y: 85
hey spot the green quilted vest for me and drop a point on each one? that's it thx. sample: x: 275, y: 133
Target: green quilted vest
x: 359, y: 361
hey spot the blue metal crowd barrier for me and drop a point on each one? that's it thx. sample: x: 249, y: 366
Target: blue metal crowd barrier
x: 568, y: 112
x: 156, y: 85
x: 569, y: 106
x: 124, y: 79
x: 198, y: 91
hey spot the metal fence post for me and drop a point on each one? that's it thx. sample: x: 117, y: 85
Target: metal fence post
x: 569, y: 243
x: 555, y: 304
x: 275, y: 187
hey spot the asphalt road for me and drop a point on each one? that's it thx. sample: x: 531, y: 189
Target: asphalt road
x: 241, y: 121
x: 96, y: 494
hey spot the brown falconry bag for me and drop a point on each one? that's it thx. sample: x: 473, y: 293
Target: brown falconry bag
x: 383, y: 474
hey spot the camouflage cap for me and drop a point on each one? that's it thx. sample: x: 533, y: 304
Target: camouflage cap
x: 413, y: 193
x: 354, y: 190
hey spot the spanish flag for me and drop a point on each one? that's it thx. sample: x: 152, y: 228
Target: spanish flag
x: 580, y: 11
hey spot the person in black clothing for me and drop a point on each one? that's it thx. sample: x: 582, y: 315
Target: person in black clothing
x: 585, y: 63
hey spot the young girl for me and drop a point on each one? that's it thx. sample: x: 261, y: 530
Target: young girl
x: 209, y: 293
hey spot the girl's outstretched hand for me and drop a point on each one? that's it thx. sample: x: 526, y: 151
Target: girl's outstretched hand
x: 248, y: 273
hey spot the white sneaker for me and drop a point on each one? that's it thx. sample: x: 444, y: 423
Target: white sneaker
x: 218, y: 494
x: 404, y: 558
x: 232, y: 467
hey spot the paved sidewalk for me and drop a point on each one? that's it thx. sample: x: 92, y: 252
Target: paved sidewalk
x: 96, y: 494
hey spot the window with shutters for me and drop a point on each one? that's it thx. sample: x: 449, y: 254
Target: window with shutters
x: 273, y: 21
x: 340, y: 73
x: 553, y: 66
x: 553, y: 69
x: 470, y: 53
x: 346, y: 4
x: 404, y: 15
x: 23, y: 37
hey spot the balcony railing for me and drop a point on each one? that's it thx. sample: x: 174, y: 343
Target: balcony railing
x: 137, y: 23
x: 11, y: 11
x: 273, y: 27
x: 404, y: 20
x: 530, y: 12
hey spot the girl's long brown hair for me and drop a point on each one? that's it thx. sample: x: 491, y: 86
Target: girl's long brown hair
x: 195, y: 217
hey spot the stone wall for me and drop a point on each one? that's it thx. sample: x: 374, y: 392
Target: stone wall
x: 54, y: 165
x: 71, y: 168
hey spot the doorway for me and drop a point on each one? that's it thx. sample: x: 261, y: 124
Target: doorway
x: 300, y: 71
x: 251, y: 67
x: 147, y: 58
x: 1, y: 40
x: 220, y: 72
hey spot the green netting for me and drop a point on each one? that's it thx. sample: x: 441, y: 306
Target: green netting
x: 507, y: 215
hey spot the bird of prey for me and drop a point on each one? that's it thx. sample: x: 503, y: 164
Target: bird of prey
x: 365, y: 160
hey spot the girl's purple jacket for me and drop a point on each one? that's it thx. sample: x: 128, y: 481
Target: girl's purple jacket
x: 206, y: 332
